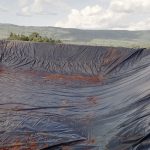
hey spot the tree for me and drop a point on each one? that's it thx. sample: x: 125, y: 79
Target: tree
x: 35, y: 37
x: 24, y: 38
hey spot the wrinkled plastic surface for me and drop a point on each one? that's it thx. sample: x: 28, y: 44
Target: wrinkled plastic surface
x: 73, y: 97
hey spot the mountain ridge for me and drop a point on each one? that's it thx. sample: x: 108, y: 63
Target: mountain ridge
x: 124, y: 38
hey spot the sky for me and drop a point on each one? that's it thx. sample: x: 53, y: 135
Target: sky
x: 82, y: 14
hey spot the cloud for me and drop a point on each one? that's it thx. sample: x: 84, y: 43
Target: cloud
x: 24, y: 3
x: 38, y: 6
x: 141, y: 25
x: 90, y: 17
x: 24, y: 8
x: 3, y: 9
x: 25, y: 11
x: 41, y: 7
x: 119, y: 14
x: 130, y: 6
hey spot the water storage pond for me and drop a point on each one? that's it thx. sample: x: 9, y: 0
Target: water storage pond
x: 67, y: 97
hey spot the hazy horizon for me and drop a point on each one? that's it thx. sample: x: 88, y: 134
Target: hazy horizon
x: 7, y: 23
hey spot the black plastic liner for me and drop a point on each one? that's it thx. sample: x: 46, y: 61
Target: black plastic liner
x: 69, y: 97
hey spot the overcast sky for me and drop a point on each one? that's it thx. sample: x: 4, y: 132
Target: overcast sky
x: 84, y: 14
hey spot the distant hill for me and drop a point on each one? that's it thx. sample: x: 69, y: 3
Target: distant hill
x: 76, y: 36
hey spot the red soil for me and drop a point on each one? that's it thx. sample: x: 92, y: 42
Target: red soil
x: 92, y: 79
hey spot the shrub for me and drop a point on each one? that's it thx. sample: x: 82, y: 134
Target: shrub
x: 35, y: 37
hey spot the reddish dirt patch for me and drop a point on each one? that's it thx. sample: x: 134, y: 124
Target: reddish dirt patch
x: 92, y: 79
x: 2, y: 70
x: 29, y: 144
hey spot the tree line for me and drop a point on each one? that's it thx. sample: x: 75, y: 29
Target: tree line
x: 34, y: 37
